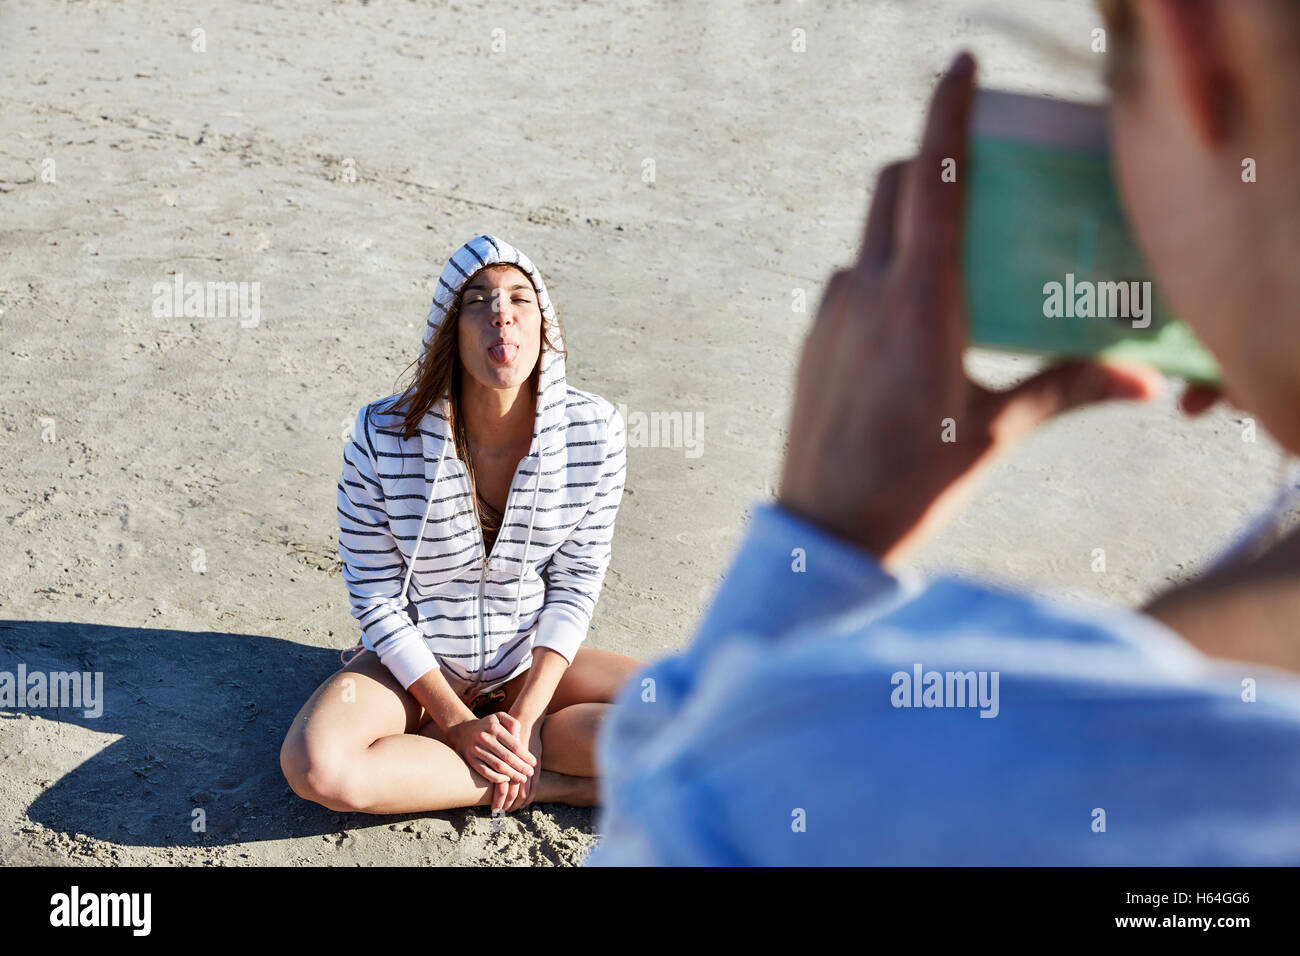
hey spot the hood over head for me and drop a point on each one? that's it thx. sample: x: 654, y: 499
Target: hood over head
x: 477, y: 254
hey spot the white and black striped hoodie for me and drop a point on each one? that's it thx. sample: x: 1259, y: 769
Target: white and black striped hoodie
x: 478, y: 615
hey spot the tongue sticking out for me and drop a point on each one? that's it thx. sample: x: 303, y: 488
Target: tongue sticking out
x: 503, y: 354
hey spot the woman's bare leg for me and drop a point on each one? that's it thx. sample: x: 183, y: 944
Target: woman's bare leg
x: 569, y: 739
x: 357, y: 745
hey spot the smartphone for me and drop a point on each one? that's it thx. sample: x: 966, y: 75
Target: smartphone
x: 1049, y: 262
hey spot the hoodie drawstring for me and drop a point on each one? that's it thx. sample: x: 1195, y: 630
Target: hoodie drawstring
x: 428, y: 509
x: 528, y: 540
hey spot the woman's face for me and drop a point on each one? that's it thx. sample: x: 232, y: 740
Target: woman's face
x: 500, y: 327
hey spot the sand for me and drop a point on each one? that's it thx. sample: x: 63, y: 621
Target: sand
x: 167, y: 483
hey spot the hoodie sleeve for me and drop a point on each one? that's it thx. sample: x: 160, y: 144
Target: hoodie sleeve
x: 373, y: 566
x: 577, y: 569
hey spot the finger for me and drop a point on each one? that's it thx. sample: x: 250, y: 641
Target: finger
x: 1067, y: 386
x: 498, y: 797
x: 1198, y: 398
x: 494, y: 770
x: 830, y: 305
x: 525, y: 792
x: 932, y: 206
x: 507, y: 752
x: 509, y: 721
x: 517, y: 748
x: 510, y: 791
x: 500, y: 733
x: 484, y: 770
x: 516, y: 744
x: 516, y: 730
x: 498, y: 761
x: 878, y: 237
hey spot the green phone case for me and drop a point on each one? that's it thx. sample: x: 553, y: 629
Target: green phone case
x: 1049, y: 263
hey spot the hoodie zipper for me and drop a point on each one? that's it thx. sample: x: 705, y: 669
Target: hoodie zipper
x: 487, y: 558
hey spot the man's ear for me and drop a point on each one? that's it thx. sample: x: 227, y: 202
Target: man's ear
x: 1192, y: 36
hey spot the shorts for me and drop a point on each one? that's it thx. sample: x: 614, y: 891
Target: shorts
x: 487, y: 703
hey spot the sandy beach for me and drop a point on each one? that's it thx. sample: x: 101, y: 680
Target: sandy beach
x: 683, y: 175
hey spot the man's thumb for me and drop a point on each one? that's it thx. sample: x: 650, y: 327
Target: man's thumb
x: 1067, y: 386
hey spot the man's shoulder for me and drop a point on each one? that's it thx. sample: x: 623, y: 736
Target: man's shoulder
x: 964, y: 615
x: 987, y: 737
x: 956, y: 662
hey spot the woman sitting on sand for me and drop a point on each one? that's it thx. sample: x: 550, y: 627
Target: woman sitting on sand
x: 488, y: 489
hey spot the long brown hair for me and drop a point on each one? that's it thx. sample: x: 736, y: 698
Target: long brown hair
x: 438, y: 375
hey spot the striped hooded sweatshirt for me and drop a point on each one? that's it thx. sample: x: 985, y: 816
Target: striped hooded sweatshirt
x: 423, y: 587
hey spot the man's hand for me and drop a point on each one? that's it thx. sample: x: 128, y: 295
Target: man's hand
x: 881, y: 383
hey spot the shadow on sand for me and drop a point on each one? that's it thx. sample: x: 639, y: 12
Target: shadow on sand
x: 200, y: 716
